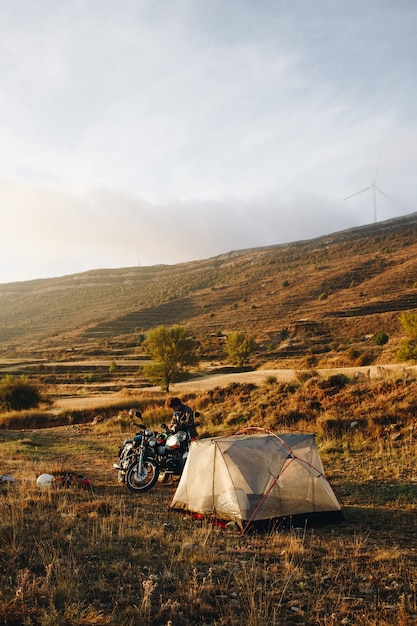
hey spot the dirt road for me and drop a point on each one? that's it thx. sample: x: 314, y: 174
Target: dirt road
x: 258, y: 377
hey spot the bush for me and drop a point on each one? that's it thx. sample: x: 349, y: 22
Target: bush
x: 407, y: 350
x: 17, y: 394
x: 334, y: 382
x: 365, y: 358
x: 381, y: 338
x: 408, y: 321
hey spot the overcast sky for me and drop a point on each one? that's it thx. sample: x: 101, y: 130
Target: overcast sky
x: 138, y: 132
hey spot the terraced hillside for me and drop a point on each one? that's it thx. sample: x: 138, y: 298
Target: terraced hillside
x: 317, y: 296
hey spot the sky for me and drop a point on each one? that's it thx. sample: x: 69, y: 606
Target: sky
x: 140, y: 132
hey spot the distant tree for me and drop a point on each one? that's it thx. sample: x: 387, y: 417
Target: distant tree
x: 408, y: 321
x: 17, y: 394
x: 381, y: 339
x: 408, y: 348
x: 173, y: 351
x: 239, y: 346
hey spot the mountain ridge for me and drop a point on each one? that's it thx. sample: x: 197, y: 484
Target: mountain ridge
x: 348, y: 284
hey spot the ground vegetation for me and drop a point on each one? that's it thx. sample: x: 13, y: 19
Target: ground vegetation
x: 326, y: 315
x: 105, y: 556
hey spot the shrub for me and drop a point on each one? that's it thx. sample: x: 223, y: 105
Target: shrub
x: 353, y: 354
x: 17, y: 394
x: 311, y: 361
x: 336, y: 381
x: 408, y: 321
x: 407, y: 350
x: 303, y: 375
x: 365, y: 358
x: 381, y: 338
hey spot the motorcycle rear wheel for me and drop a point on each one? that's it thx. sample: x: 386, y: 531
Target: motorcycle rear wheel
x: 144, y: 481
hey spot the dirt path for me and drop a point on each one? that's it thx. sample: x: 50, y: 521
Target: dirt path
x: 258, y: 377
x: 261, y: 376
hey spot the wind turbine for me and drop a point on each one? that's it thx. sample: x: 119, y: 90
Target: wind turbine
x: 374, y: 189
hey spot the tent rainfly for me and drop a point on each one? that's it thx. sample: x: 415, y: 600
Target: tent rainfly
x: 256, y: 479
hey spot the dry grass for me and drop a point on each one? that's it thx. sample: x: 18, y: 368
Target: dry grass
x: 367, y: 274
x: 106, y: 556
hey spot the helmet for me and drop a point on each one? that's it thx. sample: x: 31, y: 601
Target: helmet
x: 45, y: 481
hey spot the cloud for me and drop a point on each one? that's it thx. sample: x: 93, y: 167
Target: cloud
x: 166, y: 131
x: 97, y: 228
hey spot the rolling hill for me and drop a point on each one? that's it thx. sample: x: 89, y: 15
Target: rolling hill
x: 319, y: 297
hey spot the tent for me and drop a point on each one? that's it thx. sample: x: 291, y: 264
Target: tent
x: 256, y: 479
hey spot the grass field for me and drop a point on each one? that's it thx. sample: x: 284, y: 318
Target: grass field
x: 106, y: 556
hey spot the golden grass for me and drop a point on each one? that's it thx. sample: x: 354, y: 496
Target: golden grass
x: 106, y: 556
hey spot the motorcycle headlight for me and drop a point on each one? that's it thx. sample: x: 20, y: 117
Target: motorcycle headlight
x: 182, y: 436
x: 152, y: 442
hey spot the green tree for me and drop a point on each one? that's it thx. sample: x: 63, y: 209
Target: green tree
x: 408, y: 321
x: 17, y: 394
x: 408, y: 348
x: 239, y: 346
x: 173, y: 351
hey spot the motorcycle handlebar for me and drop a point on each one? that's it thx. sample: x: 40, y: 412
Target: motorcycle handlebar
x: 140, y: 426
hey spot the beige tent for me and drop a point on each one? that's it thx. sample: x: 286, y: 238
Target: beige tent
x: 255, y: 479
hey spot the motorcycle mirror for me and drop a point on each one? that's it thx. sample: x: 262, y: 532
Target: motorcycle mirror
x: 196, y: 414
x: 163, y: 425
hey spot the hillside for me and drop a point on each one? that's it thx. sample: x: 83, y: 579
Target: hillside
x: 319, y: 296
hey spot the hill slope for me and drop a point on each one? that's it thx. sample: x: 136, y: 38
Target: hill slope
x: 323, y: 294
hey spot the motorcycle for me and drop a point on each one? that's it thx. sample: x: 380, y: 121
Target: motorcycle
x: 127, y: 451
x: 149, y: 455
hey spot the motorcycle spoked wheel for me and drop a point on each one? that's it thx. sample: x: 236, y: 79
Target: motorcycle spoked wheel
x: 144, y: 481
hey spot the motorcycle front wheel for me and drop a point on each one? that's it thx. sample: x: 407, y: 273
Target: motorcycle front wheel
x: 142, y: 481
